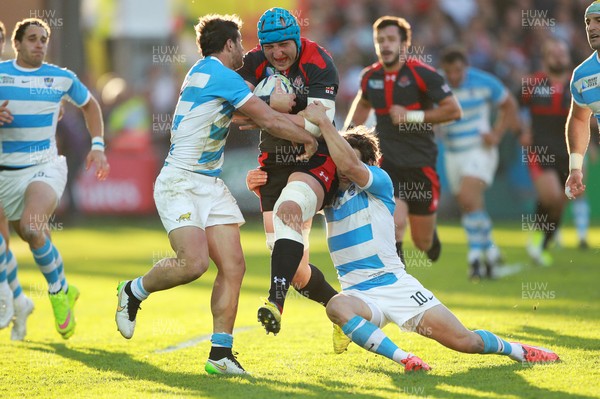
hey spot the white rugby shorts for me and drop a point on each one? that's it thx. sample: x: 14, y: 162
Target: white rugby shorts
x: 480, y: 162
x: 13, y: 184
x: 185, y: 198
x: 402, y: 303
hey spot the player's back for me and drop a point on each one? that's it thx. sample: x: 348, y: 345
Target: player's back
x: 477, y: 94
x: 360, y: 234
x: 209, y: 95
x: 34, y: 97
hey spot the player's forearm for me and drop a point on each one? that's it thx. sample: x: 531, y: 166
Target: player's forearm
x: 343, y: 155
x: 285, y: 127
x: 447, y: 111
x: 93, y: 118
x: 507, y: 117
x: 578, y: 135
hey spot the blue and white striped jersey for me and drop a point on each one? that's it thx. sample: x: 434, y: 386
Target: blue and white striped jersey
x: 210, y: 94
x: 478, y: 92
x: 585, y: 85
x: 34, y: 100
x: 360, y: 234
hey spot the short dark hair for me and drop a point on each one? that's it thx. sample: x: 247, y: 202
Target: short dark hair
x: 453, y: 54
x: 3, y: 30
x: 22, y: 26
x: 213, y: 31
x: 366, y: 142
x: 402, y: 25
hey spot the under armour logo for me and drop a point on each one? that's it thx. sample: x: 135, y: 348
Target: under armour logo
x: 279, y: 280
x: 324, y: 176
x: 390, y: 78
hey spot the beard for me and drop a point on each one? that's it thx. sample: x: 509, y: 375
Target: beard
x: 393, y: 62
x: 557, y: 69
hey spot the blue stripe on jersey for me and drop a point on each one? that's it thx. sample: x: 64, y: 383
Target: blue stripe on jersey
x: 27, y: 93
x: 350, y: 238
x: 467, y: 103
x: 28, y: 121
x: 197, y: 95
x: 350, y: 207
x: 379, y: 281
x: 472, y: 132
x: 25, y: 146
x: 460, y: 148
x: 176, y: 120
x: 218, y: 133
x: 208, y: 156
x: 372, y: 262
x: 211, y: 173
x: 591, y: 96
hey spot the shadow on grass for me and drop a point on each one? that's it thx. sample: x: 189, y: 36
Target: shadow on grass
x: 483, y: 382
x: 194, y: 383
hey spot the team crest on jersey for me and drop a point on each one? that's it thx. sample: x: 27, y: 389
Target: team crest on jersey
x: 298, y: 84
x: 376, y: 84
x: 48, y: 82
x: 6, y: 80
x: 404, y: 81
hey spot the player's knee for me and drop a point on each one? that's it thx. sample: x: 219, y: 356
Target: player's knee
x: 336, y: 309
x: 193, y: 268
x: 290, y: 215
x: 32, y: 233
x: 423, y: 243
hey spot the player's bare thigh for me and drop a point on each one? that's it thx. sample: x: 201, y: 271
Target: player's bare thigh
x: 341, y: 308
x: 440, y: 324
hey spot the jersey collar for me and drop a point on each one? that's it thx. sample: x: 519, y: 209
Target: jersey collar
x: 20, y: 68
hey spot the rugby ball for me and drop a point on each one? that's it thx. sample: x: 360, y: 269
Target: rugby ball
x: 268, y: 85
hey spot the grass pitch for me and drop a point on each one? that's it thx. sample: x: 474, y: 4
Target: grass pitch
x: 557, y: 307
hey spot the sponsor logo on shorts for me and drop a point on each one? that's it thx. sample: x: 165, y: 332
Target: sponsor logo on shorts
x: 184, y: 217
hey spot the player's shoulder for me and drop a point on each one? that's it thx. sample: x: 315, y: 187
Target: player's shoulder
x: 419, y: 66
x: 481, y: 75
x: 480, y: 78
x: 371, y: 69
x: 313, y: 53
x: 6, y: 65
x: 55, y: 70
x: 588, y: 67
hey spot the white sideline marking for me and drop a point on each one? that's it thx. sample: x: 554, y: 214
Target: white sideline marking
x: 197, y: 340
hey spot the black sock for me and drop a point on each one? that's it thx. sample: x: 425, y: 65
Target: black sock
x: 128, y: 291
x: 219, y: 352
x: 545, y: 223
x: 434, y: 252
x: 399, y: 251
x: 318, y: 289
x: 285, y: 259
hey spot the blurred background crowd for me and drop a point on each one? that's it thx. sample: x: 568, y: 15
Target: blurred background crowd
x: 133, y: 54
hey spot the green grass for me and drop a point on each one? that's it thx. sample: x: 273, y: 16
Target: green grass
x: 299, y: 362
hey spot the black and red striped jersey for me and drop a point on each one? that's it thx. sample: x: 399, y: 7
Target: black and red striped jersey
x: 416, y: 86
x: 549, y: 103
x: 313, y: 75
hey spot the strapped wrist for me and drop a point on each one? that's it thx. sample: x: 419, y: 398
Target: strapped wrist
x: 575, y: 161
x: 97, y: 143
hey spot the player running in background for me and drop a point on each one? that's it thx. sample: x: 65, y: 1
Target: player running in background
x: 294, y: 191
x: 546, y: 98
x: 376, y: 289
x: 196, y: 208
x: 471, y: 152
x: 32, y: 174
x: 585, y: 102
x: 14, y: 304
x: 403, y: 92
